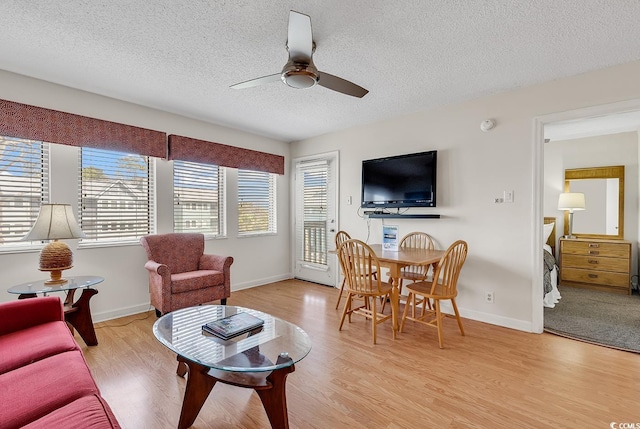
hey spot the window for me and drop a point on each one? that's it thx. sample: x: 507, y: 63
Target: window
x: 198, y: 203
x: 24, y: 185
x: 116, y: 189
x: 256, y: 202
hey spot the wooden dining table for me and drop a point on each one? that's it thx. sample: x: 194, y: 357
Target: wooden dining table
x: 395, y: 261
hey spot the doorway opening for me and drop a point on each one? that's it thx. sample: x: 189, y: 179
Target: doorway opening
x: 582, y: 123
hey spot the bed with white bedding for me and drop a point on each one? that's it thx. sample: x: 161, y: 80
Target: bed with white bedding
x: 550, y: 266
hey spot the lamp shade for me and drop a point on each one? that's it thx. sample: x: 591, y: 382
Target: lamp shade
x: 54, y: 222
x: 571, y: 201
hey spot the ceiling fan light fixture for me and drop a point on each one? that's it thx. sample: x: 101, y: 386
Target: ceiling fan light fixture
x: 300, y: 79
x: 300, y: 72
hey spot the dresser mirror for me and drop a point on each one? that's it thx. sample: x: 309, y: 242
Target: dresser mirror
x: 603, y: 188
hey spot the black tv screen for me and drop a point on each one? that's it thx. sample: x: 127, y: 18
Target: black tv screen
x: 400, y: 181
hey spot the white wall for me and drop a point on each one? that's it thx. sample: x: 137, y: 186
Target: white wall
x: 258, y: 260
x: 473, y: 169
x: 597, y: 151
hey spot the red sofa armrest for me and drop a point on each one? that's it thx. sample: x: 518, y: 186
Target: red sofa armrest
x: 25, y: 313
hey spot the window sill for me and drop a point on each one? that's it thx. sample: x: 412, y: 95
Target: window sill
x: 257, y: 234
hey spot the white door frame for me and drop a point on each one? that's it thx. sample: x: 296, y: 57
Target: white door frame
x: 537, y: 288
x: 331, y: 261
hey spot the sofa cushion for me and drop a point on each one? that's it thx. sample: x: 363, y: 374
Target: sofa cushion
x: 32, y: 344
x: 194, y: 280
x: 33, y: 391
x: 87, y: 412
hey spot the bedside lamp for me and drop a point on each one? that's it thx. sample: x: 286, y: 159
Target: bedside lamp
x: 54, y: 222
x: 571, y: 201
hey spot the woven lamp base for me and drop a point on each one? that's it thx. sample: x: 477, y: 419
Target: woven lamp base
x: 56, y: 276
x: 56, y: 257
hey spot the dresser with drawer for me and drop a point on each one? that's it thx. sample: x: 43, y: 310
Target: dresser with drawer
x: 596, y: 264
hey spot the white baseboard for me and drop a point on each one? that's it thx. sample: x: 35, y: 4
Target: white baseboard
x: 141, y: 308
x: 121, y: 312
x: 507, y: 322
x: 260, y: 282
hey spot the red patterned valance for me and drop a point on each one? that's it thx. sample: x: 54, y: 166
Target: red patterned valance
x: 188, y: 149
x: 38, y: 123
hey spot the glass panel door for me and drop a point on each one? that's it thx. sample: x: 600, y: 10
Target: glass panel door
x: 315, y: 219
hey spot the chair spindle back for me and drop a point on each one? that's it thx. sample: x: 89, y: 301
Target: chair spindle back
x: 359, y: 262
x: 341, y: 237
x: 417, y: 240
x: 445, y: 277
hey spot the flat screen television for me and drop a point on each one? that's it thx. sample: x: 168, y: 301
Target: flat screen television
x: 400, y: 181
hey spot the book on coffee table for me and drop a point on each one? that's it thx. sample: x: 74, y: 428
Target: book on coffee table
x: 234, y: 325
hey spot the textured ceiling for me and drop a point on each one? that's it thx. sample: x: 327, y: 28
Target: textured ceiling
x: 182, y: 56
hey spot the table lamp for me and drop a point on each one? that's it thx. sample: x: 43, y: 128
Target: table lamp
x: 571, y: 201
x: 54, y: 222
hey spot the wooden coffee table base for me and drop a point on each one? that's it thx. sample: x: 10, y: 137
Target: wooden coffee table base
x: 270, y: 387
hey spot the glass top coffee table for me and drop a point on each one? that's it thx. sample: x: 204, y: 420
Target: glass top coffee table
x: 76, y: 313
x: 260, y: 359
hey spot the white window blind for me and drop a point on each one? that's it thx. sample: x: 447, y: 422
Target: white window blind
x: 256, y: 202
x: 311, y: 211
x: 116, y: 189
x: 24, y: 186
x: 198, y: 203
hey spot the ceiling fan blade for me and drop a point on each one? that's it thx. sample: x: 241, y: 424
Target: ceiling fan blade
x: 300, y: 38
x: 341, y: 85
x: 258, y: 81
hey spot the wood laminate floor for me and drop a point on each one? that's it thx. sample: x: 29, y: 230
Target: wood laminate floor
x: 492, y: 378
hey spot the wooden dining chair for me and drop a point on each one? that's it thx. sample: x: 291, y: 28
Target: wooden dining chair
x: 414, y: 273
x: 442, y: 287
x: 341, y: 237
x: 359, y: 263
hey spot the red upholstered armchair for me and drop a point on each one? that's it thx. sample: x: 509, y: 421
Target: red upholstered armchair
x: 181, y: 275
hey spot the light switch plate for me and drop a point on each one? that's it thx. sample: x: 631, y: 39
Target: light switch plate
x: 508, y: 196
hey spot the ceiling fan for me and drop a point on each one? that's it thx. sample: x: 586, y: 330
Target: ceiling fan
x: 300, y: 72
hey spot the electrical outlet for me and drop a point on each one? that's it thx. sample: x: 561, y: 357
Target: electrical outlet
x: 489, y: 297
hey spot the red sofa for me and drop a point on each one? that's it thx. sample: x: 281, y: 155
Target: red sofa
x: 44, y: 379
